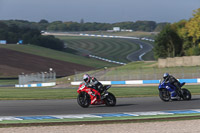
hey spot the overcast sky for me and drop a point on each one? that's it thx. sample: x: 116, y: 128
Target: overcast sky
x: 109, y: 11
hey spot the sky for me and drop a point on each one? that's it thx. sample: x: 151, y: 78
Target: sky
x: 108, y: 11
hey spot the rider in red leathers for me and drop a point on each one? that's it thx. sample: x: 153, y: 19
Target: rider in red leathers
x: 92, y: 82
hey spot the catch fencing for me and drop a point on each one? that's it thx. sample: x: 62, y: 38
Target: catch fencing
x: 35, y: 78
x: 141, y: 74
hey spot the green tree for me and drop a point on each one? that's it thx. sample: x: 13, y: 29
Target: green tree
x: 168, y: 43
x: 43, y: 21
x: 193, y: 28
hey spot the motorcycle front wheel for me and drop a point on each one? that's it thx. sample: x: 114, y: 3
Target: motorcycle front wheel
x: 110, y: 100
x: 83, y: 100
x: 164, y: 95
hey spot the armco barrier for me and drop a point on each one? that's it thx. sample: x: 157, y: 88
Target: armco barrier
x: 37, y: 85
x: 139, y: 82
x: 110, y: 36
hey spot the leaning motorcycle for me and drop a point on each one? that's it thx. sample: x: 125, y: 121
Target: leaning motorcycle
x: 89, y: 96
x: 168, y: 91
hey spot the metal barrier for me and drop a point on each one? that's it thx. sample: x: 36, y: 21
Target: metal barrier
x: 42, y: 77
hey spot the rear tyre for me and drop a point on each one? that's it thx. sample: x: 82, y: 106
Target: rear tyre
x: 164, y: 95
x: 186, y: 94
x: 110, y: 100
x: 83, y: 100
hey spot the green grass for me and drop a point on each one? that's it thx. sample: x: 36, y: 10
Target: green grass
x: 58, y: 55
x: 148, y: 56
x: 36, y: 93
x: 110, y: 48
x: 147, y: 91
x: 149, y: 71
x: 8, y: 82
x: 70, y: 93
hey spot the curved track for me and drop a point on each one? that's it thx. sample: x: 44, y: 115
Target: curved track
x: 144, y: 48
x: 70, y: 106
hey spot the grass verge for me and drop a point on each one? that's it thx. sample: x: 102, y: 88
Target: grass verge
x: 8, y: 82
x: 58, y: 55
x: 70, y: 93
x: 111, y: 48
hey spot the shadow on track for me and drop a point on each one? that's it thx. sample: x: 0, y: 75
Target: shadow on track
x: 121, y: 105
x: 194, y: 99
x: 117, y: 105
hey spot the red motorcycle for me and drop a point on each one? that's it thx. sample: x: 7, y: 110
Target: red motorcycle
x: 89, y: 96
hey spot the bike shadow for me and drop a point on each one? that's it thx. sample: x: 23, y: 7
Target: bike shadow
x: 194, y: 99
x: 121, y: 105
x: 117, y: 105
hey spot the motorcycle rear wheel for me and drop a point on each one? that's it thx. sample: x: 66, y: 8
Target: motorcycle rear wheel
x: 110, y: 100
x: 83, y: 100
x: 186, y: 94
x: 164, y: 95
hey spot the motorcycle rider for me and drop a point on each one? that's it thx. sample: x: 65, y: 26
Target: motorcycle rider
x: 92, y: 82
x: 172, y: 80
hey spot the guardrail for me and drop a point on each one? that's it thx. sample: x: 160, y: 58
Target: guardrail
x: 109, y: 36
x: 104, y: 59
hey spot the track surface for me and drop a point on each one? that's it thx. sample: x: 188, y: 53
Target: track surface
x: 144, y: 48
x: 70, y: 106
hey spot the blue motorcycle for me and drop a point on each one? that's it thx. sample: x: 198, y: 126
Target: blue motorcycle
x: 168, y: 92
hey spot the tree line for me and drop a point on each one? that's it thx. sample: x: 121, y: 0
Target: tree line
x: 12, y: 33
x: 30, y: 32
x: 179, y: 39
x: 43, y: 24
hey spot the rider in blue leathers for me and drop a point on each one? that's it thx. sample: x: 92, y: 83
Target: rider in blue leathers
x: 172, y: 80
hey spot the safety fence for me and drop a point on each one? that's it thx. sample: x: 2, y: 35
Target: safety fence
x: 141, y: 74
x: 37, y: 78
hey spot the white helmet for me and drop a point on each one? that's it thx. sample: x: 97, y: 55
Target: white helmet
x: 86, y: 78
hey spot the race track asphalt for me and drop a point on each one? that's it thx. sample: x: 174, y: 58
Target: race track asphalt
x: 70, y: 106
x: 144, y: 48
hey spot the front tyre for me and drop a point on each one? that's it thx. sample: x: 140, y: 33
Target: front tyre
x: 186, y: 94
x: 110, y: 100
x: 164, y: 95
x: 83, y: 100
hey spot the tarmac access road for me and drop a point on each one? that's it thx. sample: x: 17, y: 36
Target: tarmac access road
x: 70, y: 106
